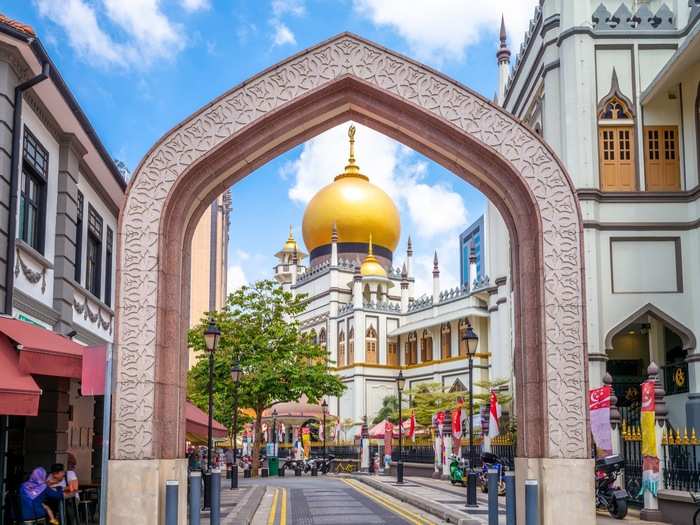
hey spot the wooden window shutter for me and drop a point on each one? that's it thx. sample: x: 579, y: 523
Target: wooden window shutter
x: 661, y: 159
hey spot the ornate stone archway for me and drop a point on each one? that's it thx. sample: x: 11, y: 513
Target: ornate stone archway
x: 341, y: 79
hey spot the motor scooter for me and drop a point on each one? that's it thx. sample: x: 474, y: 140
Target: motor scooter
x: 492, y: 461
x: 608, y: 496
x: 458, y: 470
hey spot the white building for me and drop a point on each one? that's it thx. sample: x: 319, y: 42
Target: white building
x: 60, y: 194
x: 362, y: 306
x: 614, y: 88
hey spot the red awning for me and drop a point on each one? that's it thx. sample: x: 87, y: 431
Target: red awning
x: 42, y: 351
x: 197, y: 422
x: 19, y: 394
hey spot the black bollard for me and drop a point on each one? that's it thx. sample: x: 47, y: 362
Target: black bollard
x: 280, y: 472
x: 246, y: 473
x: 314, y: 472
x: 471, y: 488
x: 510, y: 498
x: 264, y: 472
x: 215, y: 515
x: 493, y: 496
x: 532, y: 510
x: 171, y: 496
x: 195, y: 496
x: 234, y: 476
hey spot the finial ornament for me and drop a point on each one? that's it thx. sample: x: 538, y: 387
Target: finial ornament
x: 351, y: 168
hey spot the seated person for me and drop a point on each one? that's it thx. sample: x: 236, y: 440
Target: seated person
x: 33, y: 496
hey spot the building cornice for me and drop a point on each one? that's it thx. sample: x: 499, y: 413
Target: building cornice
x: 632, y: 197
x: 642, y: 226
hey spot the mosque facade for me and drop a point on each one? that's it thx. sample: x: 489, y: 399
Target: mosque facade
x: 362, y: 306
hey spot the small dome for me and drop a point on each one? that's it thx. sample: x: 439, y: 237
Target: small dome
x: 356, y: 207
x: 370, y: 266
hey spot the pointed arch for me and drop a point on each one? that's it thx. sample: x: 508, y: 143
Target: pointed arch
x: 371, y: 345
x: 686, y: 334
x: 341, y: 349
x: 347, y: 78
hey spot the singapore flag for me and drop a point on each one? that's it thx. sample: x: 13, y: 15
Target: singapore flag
x: 494, y: 415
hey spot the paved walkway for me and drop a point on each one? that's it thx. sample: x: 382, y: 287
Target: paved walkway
x: 448, y: 501
x: 237, y: 506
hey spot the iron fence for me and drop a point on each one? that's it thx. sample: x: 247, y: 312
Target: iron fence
x: 681, y: 454
x: 632, y: 453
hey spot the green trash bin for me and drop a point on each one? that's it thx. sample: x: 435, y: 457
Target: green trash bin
x: 273, y: 466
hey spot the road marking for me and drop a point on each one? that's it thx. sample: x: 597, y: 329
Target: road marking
x: 410, y: 516
x: 273, y: 509
x: 283, y: 508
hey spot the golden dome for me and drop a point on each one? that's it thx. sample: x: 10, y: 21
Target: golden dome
x: 356, y: 206
x: 370, y: 266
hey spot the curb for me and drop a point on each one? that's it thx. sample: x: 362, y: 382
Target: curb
x: 436, y: 509
x: 247, y: 507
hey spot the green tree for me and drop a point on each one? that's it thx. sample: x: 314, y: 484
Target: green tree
x: 278, y: 363
x: 429, y: 398
x: 389, y: 410
x: 483, y: 396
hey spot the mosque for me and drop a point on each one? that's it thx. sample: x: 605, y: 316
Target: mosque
x: 362, y: 306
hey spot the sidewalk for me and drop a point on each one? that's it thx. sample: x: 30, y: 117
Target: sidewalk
x: 447, y: 501
x: 237, y: 506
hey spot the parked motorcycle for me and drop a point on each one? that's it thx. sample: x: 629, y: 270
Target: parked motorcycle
x: 607, y: 495
x: 458, y: 470
x: 322, y: 465
x: 492, y: 461
x: 292, y: 464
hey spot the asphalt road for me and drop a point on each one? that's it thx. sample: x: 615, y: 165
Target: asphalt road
x: 330, y: 500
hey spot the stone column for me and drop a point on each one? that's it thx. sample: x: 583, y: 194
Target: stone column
x: 70, y: 153
x: 614, y: 419
x: 651, y: 511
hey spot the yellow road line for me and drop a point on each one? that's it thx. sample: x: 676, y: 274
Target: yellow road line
x: 410, y: 516
x: 273, y: 509
x: 283, y: 508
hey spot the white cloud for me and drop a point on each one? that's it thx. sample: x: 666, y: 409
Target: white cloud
x: 283, y: 7
x: 445, y: 28
x: 195, y: 5
x: 437, y: 213
x: 282, y: 34
x: 147, y: 34
x: 236, y: 278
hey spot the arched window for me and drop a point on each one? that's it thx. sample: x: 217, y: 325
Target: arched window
x: 366, y: 296
x: 411, y: 357
x: 446, y: 340
x: 371, y: 345
x: 462, y: 332
x: 351, y: 346
x: 392, y: 352
x: 341, y: 349
x: 426, y: 347
x: 616, y: 141
x: 322, y: 338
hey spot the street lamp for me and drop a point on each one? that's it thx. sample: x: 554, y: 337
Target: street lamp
x: 471, y: 341
x: 211, y: 341
x: 400, y: 383
x: 274, y: 432
x: 324, y: 406
x: 235, y: 377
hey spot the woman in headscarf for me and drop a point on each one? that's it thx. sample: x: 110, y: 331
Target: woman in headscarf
x: 33, y: 494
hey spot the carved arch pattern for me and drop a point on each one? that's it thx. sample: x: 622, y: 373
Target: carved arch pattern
x: 134, y: 425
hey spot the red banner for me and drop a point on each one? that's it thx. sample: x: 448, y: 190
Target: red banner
x: 388, y: 434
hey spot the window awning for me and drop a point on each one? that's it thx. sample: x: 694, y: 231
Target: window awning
x: 197, y: 423
x: 42, y: 351
x: 439, y: 319
x: 19, y: 394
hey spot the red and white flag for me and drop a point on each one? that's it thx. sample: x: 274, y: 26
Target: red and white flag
x: 337, y: 431
x: 412, y: 427
x: 494, y: 415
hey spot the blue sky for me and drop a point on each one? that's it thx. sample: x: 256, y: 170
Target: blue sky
x: 138, y: 67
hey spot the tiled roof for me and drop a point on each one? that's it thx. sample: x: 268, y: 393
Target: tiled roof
x: 19, y: 26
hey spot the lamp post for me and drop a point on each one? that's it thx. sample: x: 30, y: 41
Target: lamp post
x: 324, y: 406
x: 471, y: 341
x: 400, y: 383
x: 211, y: 341
x: 274, y: 432
x: 235, y: 377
